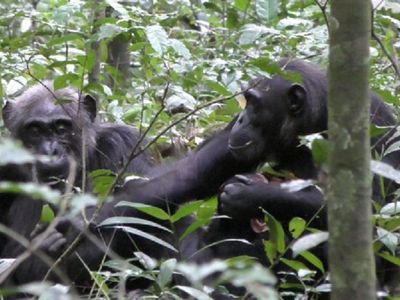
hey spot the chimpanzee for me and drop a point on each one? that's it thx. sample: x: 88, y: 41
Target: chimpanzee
x: 277, y: 112
x: 59, y: 125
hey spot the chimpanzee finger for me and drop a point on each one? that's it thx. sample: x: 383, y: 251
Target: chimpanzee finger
x: 244, y: 179
x: 57, y: 245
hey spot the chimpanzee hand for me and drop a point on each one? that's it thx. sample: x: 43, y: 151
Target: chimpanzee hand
x: 34, y: 269
x: 242, y: 196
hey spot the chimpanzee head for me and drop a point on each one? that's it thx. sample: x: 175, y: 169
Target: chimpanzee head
x: 277, y: 111
x: 50, y: 123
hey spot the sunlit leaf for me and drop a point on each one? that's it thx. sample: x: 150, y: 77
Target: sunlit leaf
x: 166, y: 271
x: 147, y: 236
x: 132, y: 220
x: 309, y: 241
x: 195, y: 293
x: 153, y: 211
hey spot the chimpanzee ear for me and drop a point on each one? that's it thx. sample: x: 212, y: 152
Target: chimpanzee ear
x: 8, y: 109
x: 90, y: 105
x: 296, y: 98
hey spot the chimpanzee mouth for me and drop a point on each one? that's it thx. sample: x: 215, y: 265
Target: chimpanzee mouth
x: 240, y: 147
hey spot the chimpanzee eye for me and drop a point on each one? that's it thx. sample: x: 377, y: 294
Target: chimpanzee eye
x: 63, y: 128
x: 34, y: 130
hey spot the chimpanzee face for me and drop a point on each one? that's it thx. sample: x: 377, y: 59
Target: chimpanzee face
x: 49, y: 124
x: 268, y: 122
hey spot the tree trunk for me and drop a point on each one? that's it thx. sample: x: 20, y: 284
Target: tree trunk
x: 349, y: 187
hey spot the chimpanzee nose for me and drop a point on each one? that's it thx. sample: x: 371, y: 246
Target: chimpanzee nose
x: 50, y: 148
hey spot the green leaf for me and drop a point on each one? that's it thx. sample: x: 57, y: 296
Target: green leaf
x: 309, y: 241
x: 242, y: 4
x: 193, y: 227
x: 47, y: 214
x: 314, y: 260
x: 64, y: 81
x: 232, y: 19
x: 270, y: 251
x: 153, y: 211
x: 108, y: 31
x: 390, y: 209
x: 294, y: 264
x: 166, y: 271
x: 180, y: 48
x: 158, y: 38
x: 147, y: 236
x: 185, y: 210
x: 267, y: 9
x: 375, y: 130
x: 297, y: 226
x: 277, y: 234
x: 389, y: 239
x: 383, y: 169
x: 132, y: 220
x: 102, y: 181
x: 195, y: 293
x: 219, y: 88
x: 391, y: 258
x: 319, y: 150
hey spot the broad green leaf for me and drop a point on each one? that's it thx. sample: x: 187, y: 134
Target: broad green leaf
x: 47, y: 214
x: 193, y: 227
x: 166, y: 271
x: 158, y: 38
x: 242, y: 4
x: 391, y: 258
x: 277, y: 234
x: 219, y: 88
x: 389, y: 239
x: 270, y: 251
x: 147, y: 236
x: 153, y: 211
x: 267, y: 9
x: 180, y: 48
x: 309, y: 241
x: 297, y: 226
x: 294, y: 264
x: 102, y: 181
x: 132, y: 220
x: 383, y: 169
x: 64, y: 81
x: 319, y: 150
x: 314, y: 260
x: 108, y: 31
x: 390, y: 209
x: 185, y: 210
